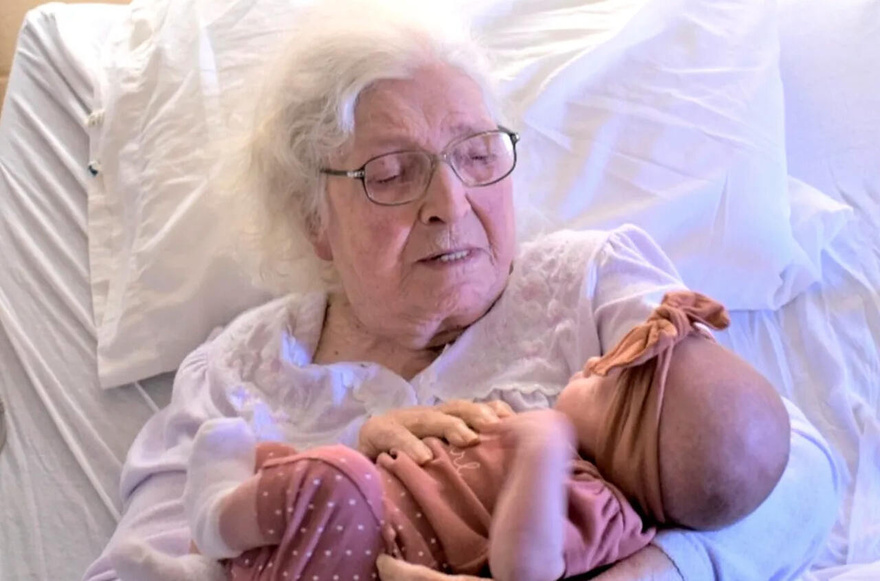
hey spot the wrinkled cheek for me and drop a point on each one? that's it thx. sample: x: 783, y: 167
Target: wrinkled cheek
x: 506, y: 221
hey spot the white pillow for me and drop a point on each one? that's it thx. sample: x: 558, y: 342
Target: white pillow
x: 675, y: 124
x: 830, y: 64
x: 816, y: 219
x: 666, y: 113
x: 164, y: 272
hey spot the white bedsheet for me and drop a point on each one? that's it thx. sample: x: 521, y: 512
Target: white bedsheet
x: 68, y: 438
x: 821, y: 351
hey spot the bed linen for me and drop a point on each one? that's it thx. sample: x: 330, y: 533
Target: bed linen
x: 668, y: 114
x: 67, y: 438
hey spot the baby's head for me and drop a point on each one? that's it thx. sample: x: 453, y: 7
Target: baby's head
x: 716, y: 473
x: 711, y: 473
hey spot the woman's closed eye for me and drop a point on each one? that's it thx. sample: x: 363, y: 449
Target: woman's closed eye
x: 482, y: 159
x: 477, y: 155
x: 384, y: 180
x: 393, y: 168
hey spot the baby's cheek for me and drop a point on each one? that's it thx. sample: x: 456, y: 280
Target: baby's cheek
x: 579, y: 402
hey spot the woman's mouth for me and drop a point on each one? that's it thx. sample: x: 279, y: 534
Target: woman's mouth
x: 449, y: 258
x: 453, y: 256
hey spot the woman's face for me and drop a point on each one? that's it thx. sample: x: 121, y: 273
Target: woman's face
x: 388, y: 256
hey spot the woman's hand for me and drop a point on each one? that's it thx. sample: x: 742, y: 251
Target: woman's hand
x: 649, y: 564
x: 401, y: 431
x: 391, y: 569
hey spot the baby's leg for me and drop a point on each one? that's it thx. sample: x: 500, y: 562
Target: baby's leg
x: 320, y: 511
x: 526, y: 540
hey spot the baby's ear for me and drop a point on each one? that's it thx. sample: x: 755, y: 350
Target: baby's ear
x: 134, y: 560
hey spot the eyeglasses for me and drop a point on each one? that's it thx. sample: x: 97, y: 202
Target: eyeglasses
x: 398, y: 178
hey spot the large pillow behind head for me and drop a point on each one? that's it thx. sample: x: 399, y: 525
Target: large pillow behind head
x: 675, y: 124
x: 666, y: 113
x: 830, y: 65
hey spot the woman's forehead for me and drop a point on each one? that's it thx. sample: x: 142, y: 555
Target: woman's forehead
x: 432, y: 105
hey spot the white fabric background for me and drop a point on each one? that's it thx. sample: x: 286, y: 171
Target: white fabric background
x: 663, y: 113
x: 67, y: 438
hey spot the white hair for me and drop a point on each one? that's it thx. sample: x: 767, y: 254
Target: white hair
x: 305, y: 114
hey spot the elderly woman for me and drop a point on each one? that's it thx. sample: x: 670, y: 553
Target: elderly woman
x: 381, y: 143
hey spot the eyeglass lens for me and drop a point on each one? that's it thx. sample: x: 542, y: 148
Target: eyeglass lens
x: 401, y: 177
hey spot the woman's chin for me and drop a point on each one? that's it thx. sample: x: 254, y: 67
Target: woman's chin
x: 460, y: 307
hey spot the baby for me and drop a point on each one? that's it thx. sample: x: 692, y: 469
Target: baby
x: 526, y: 502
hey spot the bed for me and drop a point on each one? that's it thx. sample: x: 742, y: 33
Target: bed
x: 67, y: 438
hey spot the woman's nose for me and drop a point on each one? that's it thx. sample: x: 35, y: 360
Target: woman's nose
x: 446, y: 199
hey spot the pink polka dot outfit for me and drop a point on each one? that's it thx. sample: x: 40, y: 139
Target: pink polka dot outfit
x: 331, y: 512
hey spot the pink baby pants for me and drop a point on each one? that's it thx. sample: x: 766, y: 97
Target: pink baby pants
x: 330, y: 512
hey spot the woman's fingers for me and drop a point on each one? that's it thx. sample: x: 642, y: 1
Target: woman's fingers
x: 391, y: 569
x: 456, y: 421
x: 458, y: 434
x: 477, y: 415
x: 501, y: 409
x: 386, y: 434
x: 434, y: 422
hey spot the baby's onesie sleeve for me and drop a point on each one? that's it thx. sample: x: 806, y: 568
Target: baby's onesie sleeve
x: 602, y: 526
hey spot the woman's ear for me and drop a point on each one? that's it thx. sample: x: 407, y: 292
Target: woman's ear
x: 320, y: 242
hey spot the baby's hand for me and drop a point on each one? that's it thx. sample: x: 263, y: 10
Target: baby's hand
x: 541, y: 429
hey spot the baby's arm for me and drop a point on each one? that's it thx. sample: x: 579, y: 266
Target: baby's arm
x: 718, y: 430
x: 526, y: 539
x: 551, y: 521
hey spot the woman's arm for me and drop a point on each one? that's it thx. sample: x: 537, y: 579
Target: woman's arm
x: 649, y: 564
x: 784, y: 534
x: 154, y: 474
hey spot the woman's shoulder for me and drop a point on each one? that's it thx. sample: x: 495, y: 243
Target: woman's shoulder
x: 561, y: 241
x: 297, y: 315
x: 562, y: 254
x: 583, y: 242
x: 575, y: 252
x: 551, y: 271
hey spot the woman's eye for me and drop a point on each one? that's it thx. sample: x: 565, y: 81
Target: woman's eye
x: 479, y: 157
x: 386, y: 179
